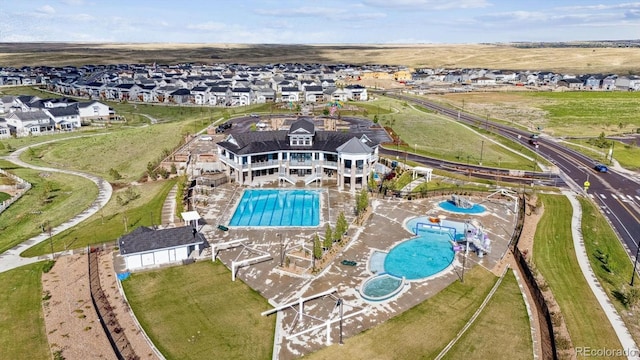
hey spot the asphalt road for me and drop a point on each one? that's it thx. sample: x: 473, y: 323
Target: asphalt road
x: 616, y: 192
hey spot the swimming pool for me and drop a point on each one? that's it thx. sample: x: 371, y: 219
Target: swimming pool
x: 427, y: 254
x: 449, y: 206
x: 381, y: 287
x: 275, y: 207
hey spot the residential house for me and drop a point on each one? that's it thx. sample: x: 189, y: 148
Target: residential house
x: 356, y: 92
x: 4, y: 129
x: 93, y: 110
x: 25, y: 123
x: 290, y: 94
x: 313, y: 94
x: 181, y: 96
x: 65, y: 118
x: 146, y: 247
x: 571, y: 83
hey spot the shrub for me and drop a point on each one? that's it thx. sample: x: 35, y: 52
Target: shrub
x: 48, y: 266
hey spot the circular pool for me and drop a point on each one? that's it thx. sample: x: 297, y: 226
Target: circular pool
x: 381, y: 287
x: 449, y: 206
x: 424, y: 256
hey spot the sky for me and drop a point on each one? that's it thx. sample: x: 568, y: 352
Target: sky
x: 317, y: 22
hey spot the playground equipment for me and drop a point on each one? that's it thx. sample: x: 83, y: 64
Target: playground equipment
x: 476, y: 236
x: 461, y: 202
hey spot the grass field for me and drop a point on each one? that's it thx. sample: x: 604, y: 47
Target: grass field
x: 421, y: 332
x: 488, y: 337
x: 113, y: 220
x: 628, y: 155
x: 610, y: 263
x: 570, y: 113
x: 127, y: 151
x: 430, y: 134
x: 68, y: 195
x: 555, y: 258
x: 4, y: 196
x: 22, y: 331
x: 197, y: 312
x: 501, y: 56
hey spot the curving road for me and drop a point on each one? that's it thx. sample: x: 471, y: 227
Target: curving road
x: 616, y: 192
x: 11, y: 258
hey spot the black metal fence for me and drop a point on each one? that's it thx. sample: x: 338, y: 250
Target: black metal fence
x: 115, y: 333
x: 548, y: 343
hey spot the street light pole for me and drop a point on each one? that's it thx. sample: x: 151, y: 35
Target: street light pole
x: 481, y: 150
x: 635, y: 264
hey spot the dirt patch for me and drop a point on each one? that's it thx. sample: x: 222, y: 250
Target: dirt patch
x: 71, y: 322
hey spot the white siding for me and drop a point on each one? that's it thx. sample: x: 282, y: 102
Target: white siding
x: 161, y: 257
x: 133, y: 262
x: 181, y: 254
x: 148, y: 259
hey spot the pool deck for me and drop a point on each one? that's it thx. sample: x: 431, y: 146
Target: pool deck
x: 384, y: 229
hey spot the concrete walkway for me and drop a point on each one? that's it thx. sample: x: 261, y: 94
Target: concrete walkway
x: 169, y: 208
x: 11, y: 258
x: 627, y: 342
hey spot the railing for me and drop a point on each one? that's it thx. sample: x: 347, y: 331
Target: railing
x: 22, y: 185
x: 311, y: 178
x: 284, y: 176
x: 259, y: 164
x: 330, y: 164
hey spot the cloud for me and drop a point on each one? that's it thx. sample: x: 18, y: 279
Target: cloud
x: 600, y: 7
x: 208, y: 26
x: 46, y: 10
x: 73, y: 2
x: 632, y: 14
x: 426, y: 5
x: 330, y: 13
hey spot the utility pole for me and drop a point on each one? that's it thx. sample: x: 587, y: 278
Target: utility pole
x: 635, y: 264
x: 481, y: 151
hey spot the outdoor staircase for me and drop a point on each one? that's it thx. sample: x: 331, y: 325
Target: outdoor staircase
x: 283, y: 176
x: 311, y: 178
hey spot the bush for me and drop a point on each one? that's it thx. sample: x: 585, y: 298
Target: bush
x: 48, y: 266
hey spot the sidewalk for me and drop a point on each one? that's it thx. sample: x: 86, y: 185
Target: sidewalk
x: 11, y: 258
x: 626, y: 341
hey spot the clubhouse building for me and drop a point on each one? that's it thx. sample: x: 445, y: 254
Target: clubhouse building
x: 301, y: 153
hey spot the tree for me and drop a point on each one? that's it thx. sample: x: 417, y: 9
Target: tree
x: 328, y: 237
x: 375, y: 119
x: 325, y: 112
x: 372, y: 182
x: 115, y: 174
x: 341, y: 226
x: 317, y: 249
x: 362, y: 201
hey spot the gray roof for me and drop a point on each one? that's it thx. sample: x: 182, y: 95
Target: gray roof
x: 354, y: 146
x: 253, y: 142
x: 144, y: 239
x: 63, y: 111
x: 30, y: 115
x: 303, y: 124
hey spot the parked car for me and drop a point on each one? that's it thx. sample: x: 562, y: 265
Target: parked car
x: 601, y: 168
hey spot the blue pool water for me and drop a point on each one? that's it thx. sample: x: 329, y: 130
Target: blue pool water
x: 427, y: 254
x: 381, y: 287
x: 449, y: 206
x: 277, y: 208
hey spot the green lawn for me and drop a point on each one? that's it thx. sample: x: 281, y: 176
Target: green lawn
x: 113, y: 220
x: 627, y: 155
x: 433, y: 135
x: 197, y: 312
x: 610, y: 262
x: 488, y: 337
x: 68, y: 196
x: 22, y: 331
x: 4, y: 196
x: 421, y: 332
x: 555, y: 258
x: 569, y: 113
x: 127, y: 151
